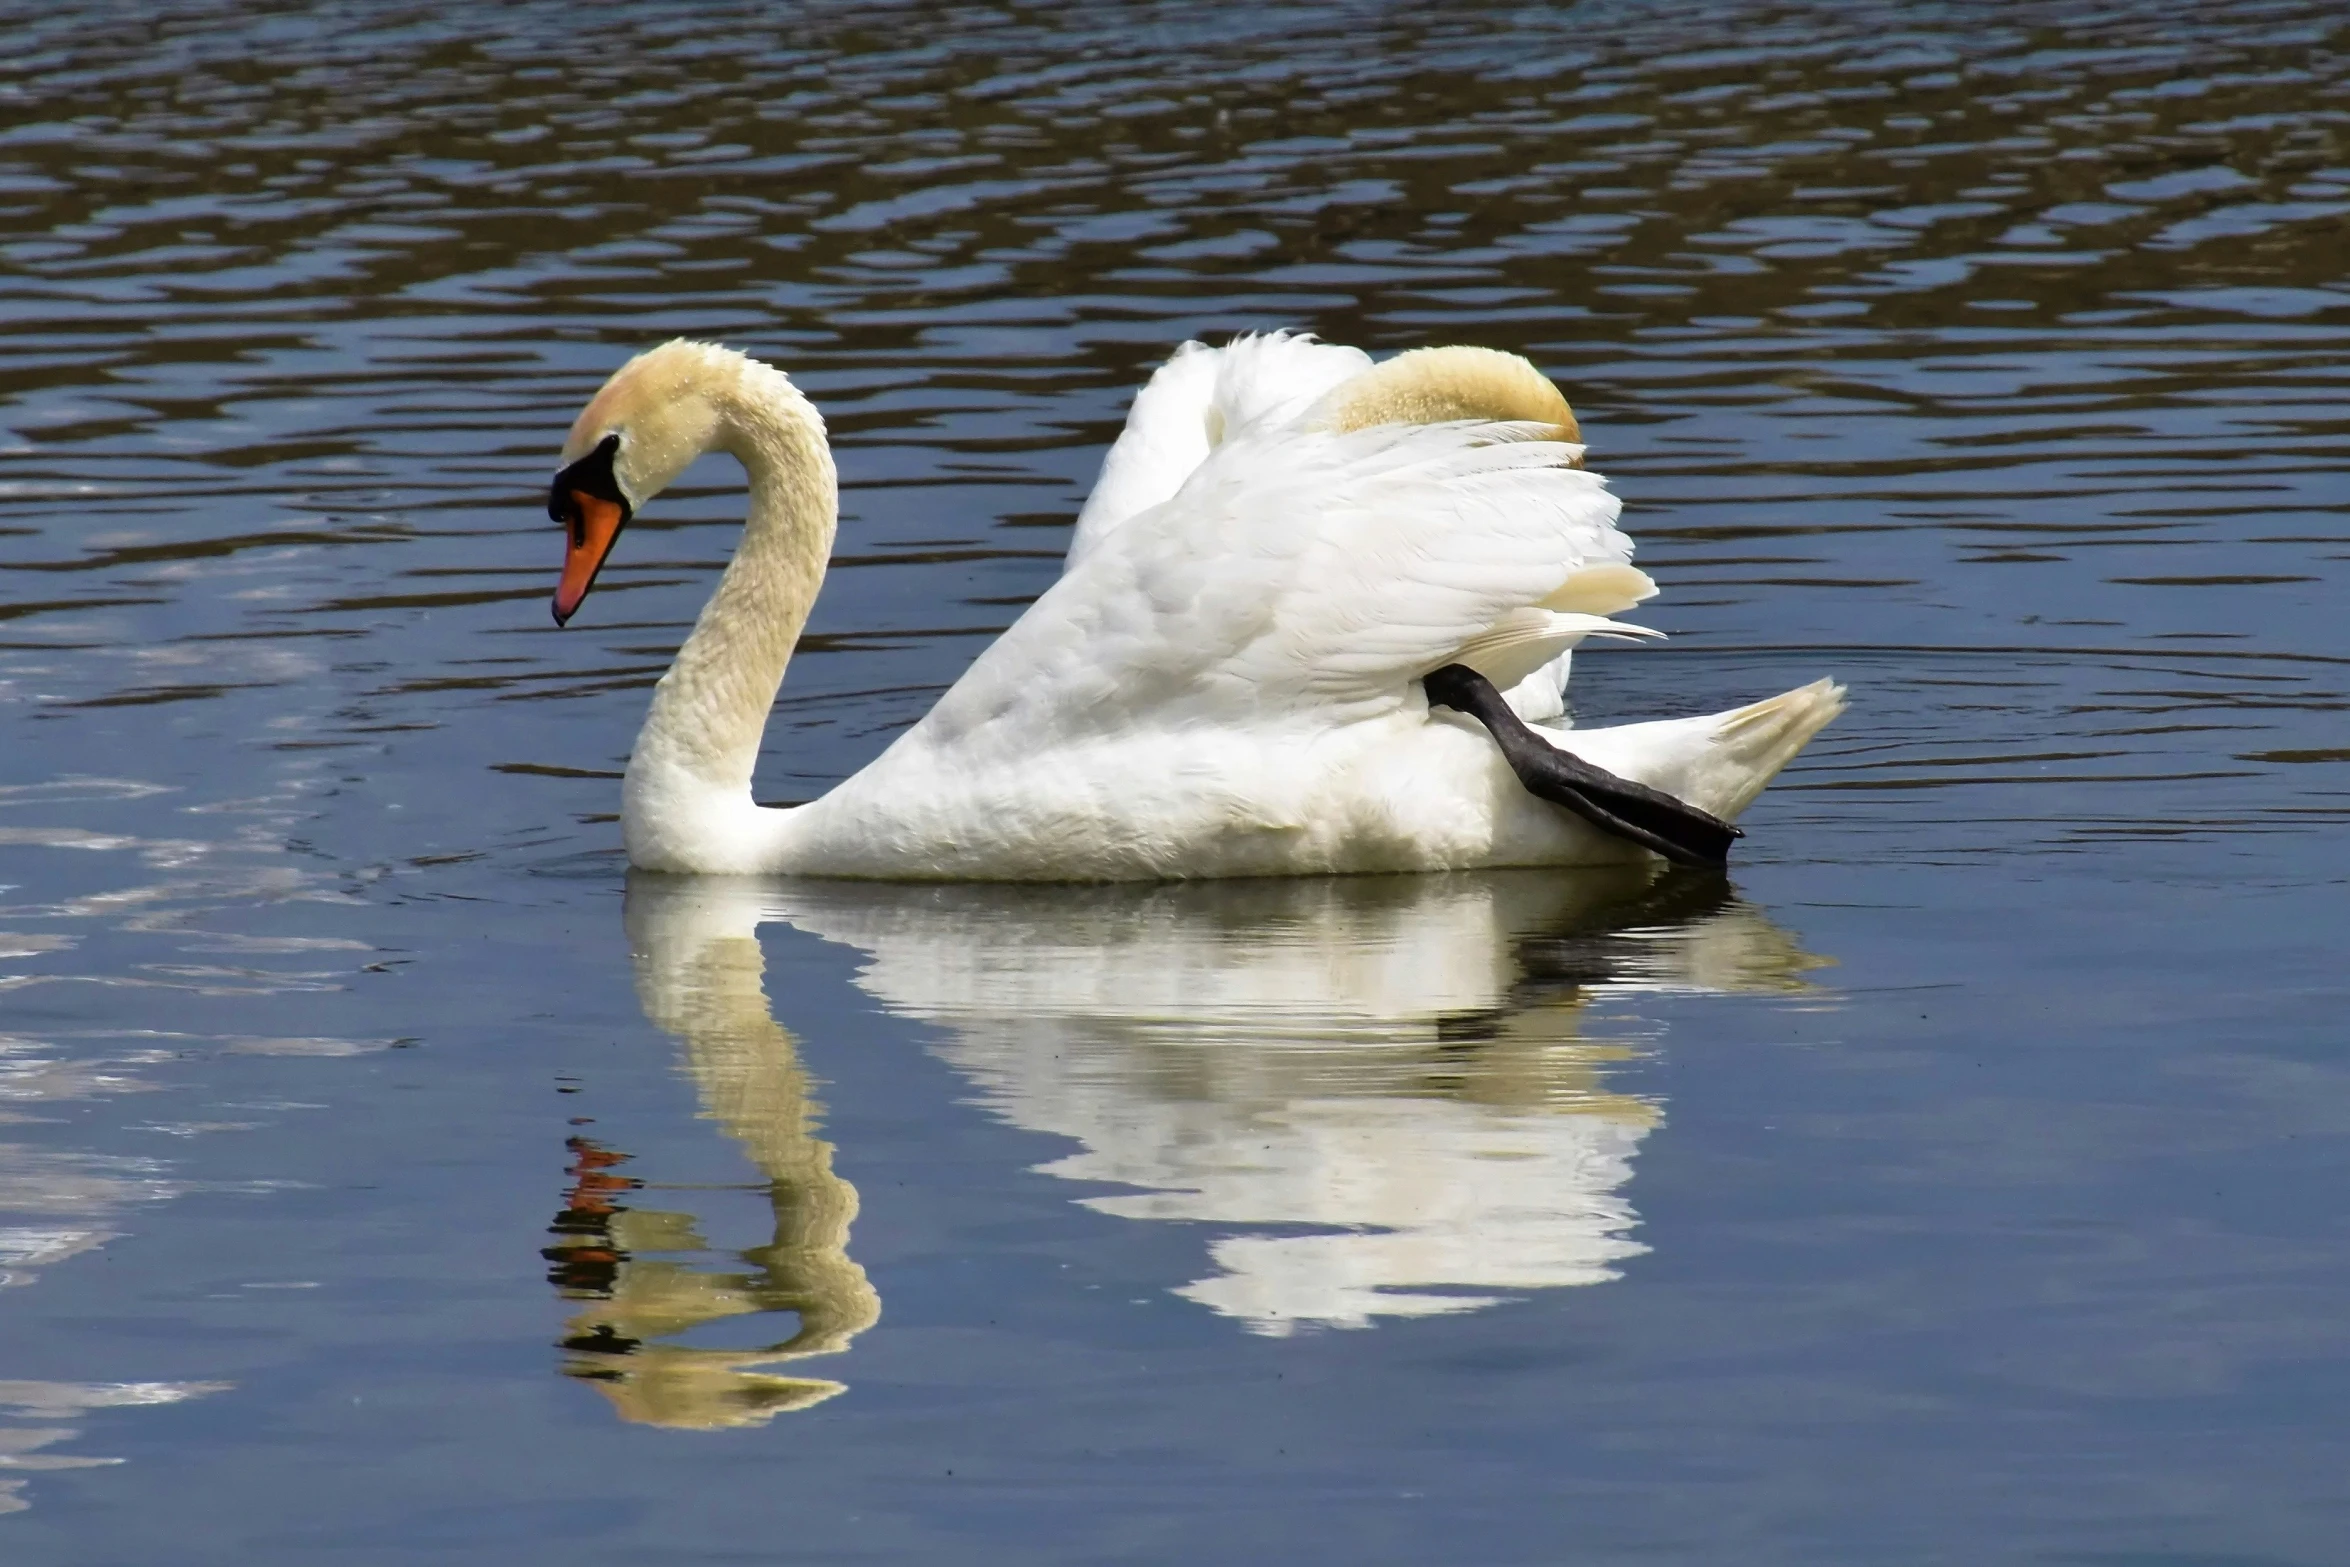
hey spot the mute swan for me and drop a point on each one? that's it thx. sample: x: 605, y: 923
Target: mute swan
x: 1288, y: 667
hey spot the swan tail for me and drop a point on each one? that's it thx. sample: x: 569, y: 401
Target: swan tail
x: 1750, y: 744
x: 1718, y: 762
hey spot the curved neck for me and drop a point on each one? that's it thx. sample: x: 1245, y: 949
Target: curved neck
x: 692, y: 765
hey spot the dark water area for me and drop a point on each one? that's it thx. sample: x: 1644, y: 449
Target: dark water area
x: 385, y: 1175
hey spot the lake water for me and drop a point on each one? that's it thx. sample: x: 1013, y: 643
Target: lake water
x: 385, y: 1175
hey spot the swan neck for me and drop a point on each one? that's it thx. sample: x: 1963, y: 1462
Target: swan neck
x: 693, y: 760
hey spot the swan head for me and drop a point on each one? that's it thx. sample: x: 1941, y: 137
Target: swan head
x: 657, y: 413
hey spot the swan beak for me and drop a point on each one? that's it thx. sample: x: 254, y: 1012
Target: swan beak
x: 592, y: 524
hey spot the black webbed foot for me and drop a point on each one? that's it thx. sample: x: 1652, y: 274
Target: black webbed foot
x: 1649, y: 817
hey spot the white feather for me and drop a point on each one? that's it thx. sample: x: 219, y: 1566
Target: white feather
x: 1200, y: 398
x: 1298, y: 573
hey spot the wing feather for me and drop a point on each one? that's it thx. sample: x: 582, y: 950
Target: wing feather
x: 1295, y: 574
x: 1197, y: 400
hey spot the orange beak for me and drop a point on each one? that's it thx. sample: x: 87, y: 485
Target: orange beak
x: 592, y: 524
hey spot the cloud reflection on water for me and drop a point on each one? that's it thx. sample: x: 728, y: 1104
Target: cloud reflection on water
x: 24, y: 1447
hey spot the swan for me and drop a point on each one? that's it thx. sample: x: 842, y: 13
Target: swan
x: 1294, y: 664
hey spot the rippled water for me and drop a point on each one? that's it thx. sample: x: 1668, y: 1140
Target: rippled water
x: 383, y: 1173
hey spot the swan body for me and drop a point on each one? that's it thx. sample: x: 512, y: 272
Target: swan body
x: 1225, y: 679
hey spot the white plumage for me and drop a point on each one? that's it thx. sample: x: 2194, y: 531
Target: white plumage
x: 1224, y: 681
x: 1199, y: 399
x: 1295, y: 574
x: 1203, y: 398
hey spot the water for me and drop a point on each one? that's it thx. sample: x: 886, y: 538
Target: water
x: 384, y: 1174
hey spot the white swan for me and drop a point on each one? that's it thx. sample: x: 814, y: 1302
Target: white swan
x: 1235, y: 680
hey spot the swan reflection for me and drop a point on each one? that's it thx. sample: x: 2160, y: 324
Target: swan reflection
x: 1395, y: 1088
x: 698, y: 977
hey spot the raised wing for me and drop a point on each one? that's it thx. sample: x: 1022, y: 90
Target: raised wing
x: 1295, y: 575
x: 1197, y: 400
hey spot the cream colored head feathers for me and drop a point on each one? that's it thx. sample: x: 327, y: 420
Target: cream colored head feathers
x: 1434, y: 385
x: 670, y: 404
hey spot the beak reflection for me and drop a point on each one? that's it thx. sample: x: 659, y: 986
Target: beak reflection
x: 641, y: 1275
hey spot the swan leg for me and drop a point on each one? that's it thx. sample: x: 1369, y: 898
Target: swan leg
x: 1649, y: 817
